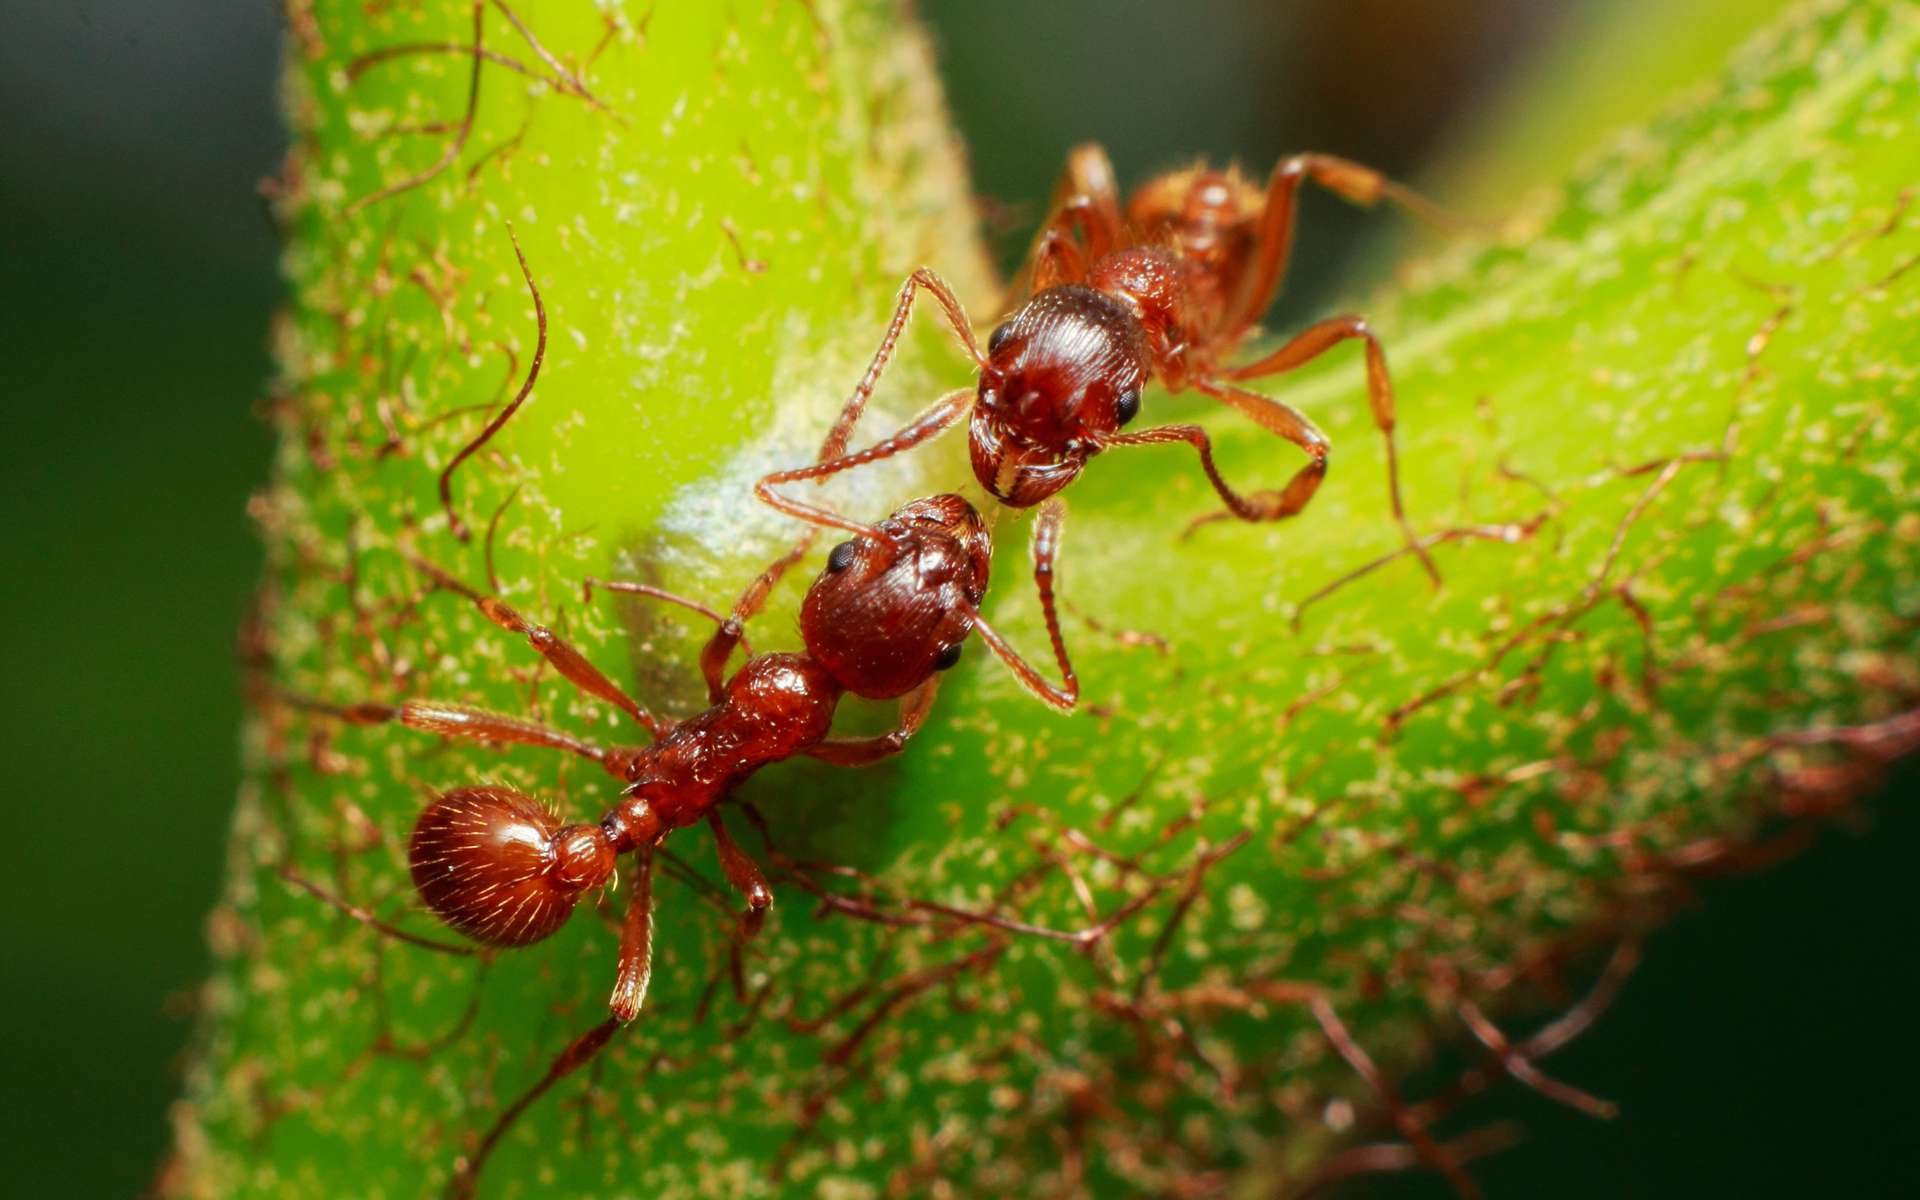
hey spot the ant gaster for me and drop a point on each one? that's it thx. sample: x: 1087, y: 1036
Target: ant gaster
x: 890, y: 611
x: 1167, y: 287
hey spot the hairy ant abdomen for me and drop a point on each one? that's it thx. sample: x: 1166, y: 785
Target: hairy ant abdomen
x: 494, y: 864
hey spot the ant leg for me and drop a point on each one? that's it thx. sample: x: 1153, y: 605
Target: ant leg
x: 1083, y: 223
x: 458, y: 720
x: 1088, y: 197
x: 569, y: 662
x: 577, y: 1054
x: 1288, y: 422
x: 861, y: 752
x: 448, y: 719
x: 1056, y: 259
x: 1273, y: 240
x: 1195, y: 436
x: 629, y: 992
x: 1309, y: 344
x: 733, y: 630
x: 834, y: 447
x: 836, y: 441
x: 636, y: 943
x: 744, y: 874
x: 1046, y: 548
x: 941, y: 416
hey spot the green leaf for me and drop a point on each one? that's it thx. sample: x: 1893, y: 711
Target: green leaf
x: 1662, y: 442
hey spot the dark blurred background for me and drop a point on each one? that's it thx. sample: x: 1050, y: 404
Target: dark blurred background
x: 1756, y: 1052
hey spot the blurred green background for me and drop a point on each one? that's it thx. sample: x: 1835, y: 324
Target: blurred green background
x: 1758, y: 1050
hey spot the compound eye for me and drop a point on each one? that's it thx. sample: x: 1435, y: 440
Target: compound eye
x: 840, y: 558
x: 947, y: 658
x: 998, y: 337
x: 1127, y: 407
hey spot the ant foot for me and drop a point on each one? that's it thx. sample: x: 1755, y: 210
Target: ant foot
x: 1259, y: 506
x: 1204, y: 519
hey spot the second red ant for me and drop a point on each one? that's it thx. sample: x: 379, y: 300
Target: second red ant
x: 1168, y: 286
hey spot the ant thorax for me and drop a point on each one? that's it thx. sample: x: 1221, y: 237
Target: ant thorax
x: 1209, y: 221
x: 774, y: 707
x: 1155, y: 285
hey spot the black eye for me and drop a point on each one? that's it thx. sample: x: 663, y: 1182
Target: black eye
x: 841, y: 557
x: 998, y: 337
x: 948, y: 657
x: 1127, y: 407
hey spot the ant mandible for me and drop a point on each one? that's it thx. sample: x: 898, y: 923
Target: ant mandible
x: 887, y: 615
x: 1167, y: 287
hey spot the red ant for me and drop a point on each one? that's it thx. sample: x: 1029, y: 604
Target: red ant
x: 1170, y: 289
x: 887, y: 615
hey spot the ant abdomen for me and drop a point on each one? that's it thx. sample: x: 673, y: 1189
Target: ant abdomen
x: 494, y: 864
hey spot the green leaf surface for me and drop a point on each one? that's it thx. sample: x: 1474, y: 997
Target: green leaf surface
x: 1663, y: 445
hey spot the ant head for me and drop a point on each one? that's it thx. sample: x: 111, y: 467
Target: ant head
x: 1063, y: 372
x: 495, y: 865
x: 890, y: 611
